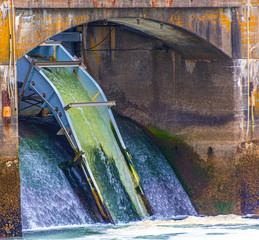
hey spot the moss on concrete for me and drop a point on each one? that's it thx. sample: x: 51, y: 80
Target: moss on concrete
x: 215, y: 185
x: 166, y: 142
x: 193, y: 174
x: 213, y: 207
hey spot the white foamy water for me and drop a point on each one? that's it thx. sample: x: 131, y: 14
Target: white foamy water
x: 212, y: 228
x: 218, y: 227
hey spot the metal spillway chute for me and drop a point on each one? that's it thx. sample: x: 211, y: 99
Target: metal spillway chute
x: 38, y: 92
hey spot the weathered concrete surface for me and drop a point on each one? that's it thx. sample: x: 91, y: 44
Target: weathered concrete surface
x: 224, y: 28
x: 8, y: 133
x: 210, y: 91
x: 10, y: 208
x: 184, y: 43
x: 240, y: 32
x: 247, y: 177
x: 127, y: 4
x: 35, y: 26
x: 10, y: 212
x: 202, y: 106
x: 4, y: 33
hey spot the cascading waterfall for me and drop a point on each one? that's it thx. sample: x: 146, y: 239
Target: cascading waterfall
x: 160, y: 183
x: 47, y: 198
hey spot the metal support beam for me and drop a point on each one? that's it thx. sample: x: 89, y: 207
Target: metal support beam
x: 59, y: 64
x: 26, y: 80
x: 90, y: 104
x: 43, y: 98
x: 31, y: 105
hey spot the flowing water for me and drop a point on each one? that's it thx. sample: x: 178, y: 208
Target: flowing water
x: 47, y: 198
x: 160, y: 183
x: 55, y: 208
x: 101, y: 150
x: 52, y: 210
x: 228, y: 227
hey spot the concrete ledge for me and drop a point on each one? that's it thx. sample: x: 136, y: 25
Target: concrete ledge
x: 126, y: 4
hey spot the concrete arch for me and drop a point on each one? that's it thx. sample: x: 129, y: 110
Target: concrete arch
x: 187, y: 44
x: 34, y: 26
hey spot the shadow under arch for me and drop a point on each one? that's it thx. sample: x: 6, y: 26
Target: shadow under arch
x: 182, y: 41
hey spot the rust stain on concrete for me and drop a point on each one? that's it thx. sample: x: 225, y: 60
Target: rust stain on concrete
x: 154, y: 3
x: 225, y: 21
x: 95, y: 2
x: 253, y: 32
x: 4, y: 35
x: 211, y: 24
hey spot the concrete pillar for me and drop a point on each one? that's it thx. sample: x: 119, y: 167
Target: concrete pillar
x: 10, y: 207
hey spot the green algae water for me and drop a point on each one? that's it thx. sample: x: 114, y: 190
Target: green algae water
x: 101, y: 150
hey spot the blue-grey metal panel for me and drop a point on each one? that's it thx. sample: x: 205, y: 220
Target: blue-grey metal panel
x: 48, y: 51
x: 22, y: 69
x: 44, y: 86
x: 68, y: 37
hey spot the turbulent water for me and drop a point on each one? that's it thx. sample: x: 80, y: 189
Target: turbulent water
x: 226, y: 227
x: 160, y: 183
x: 47, y: 198
x: 51, y: 209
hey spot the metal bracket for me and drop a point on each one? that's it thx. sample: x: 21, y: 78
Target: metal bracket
x: 66, y: 133
x: 90, y: 104
x: 77, y: 157
x: 62, y: 132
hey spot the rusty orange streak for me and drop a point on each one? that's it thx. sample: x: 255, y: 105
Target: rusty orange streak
x: 95, y: 3
x: 154, y: 3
